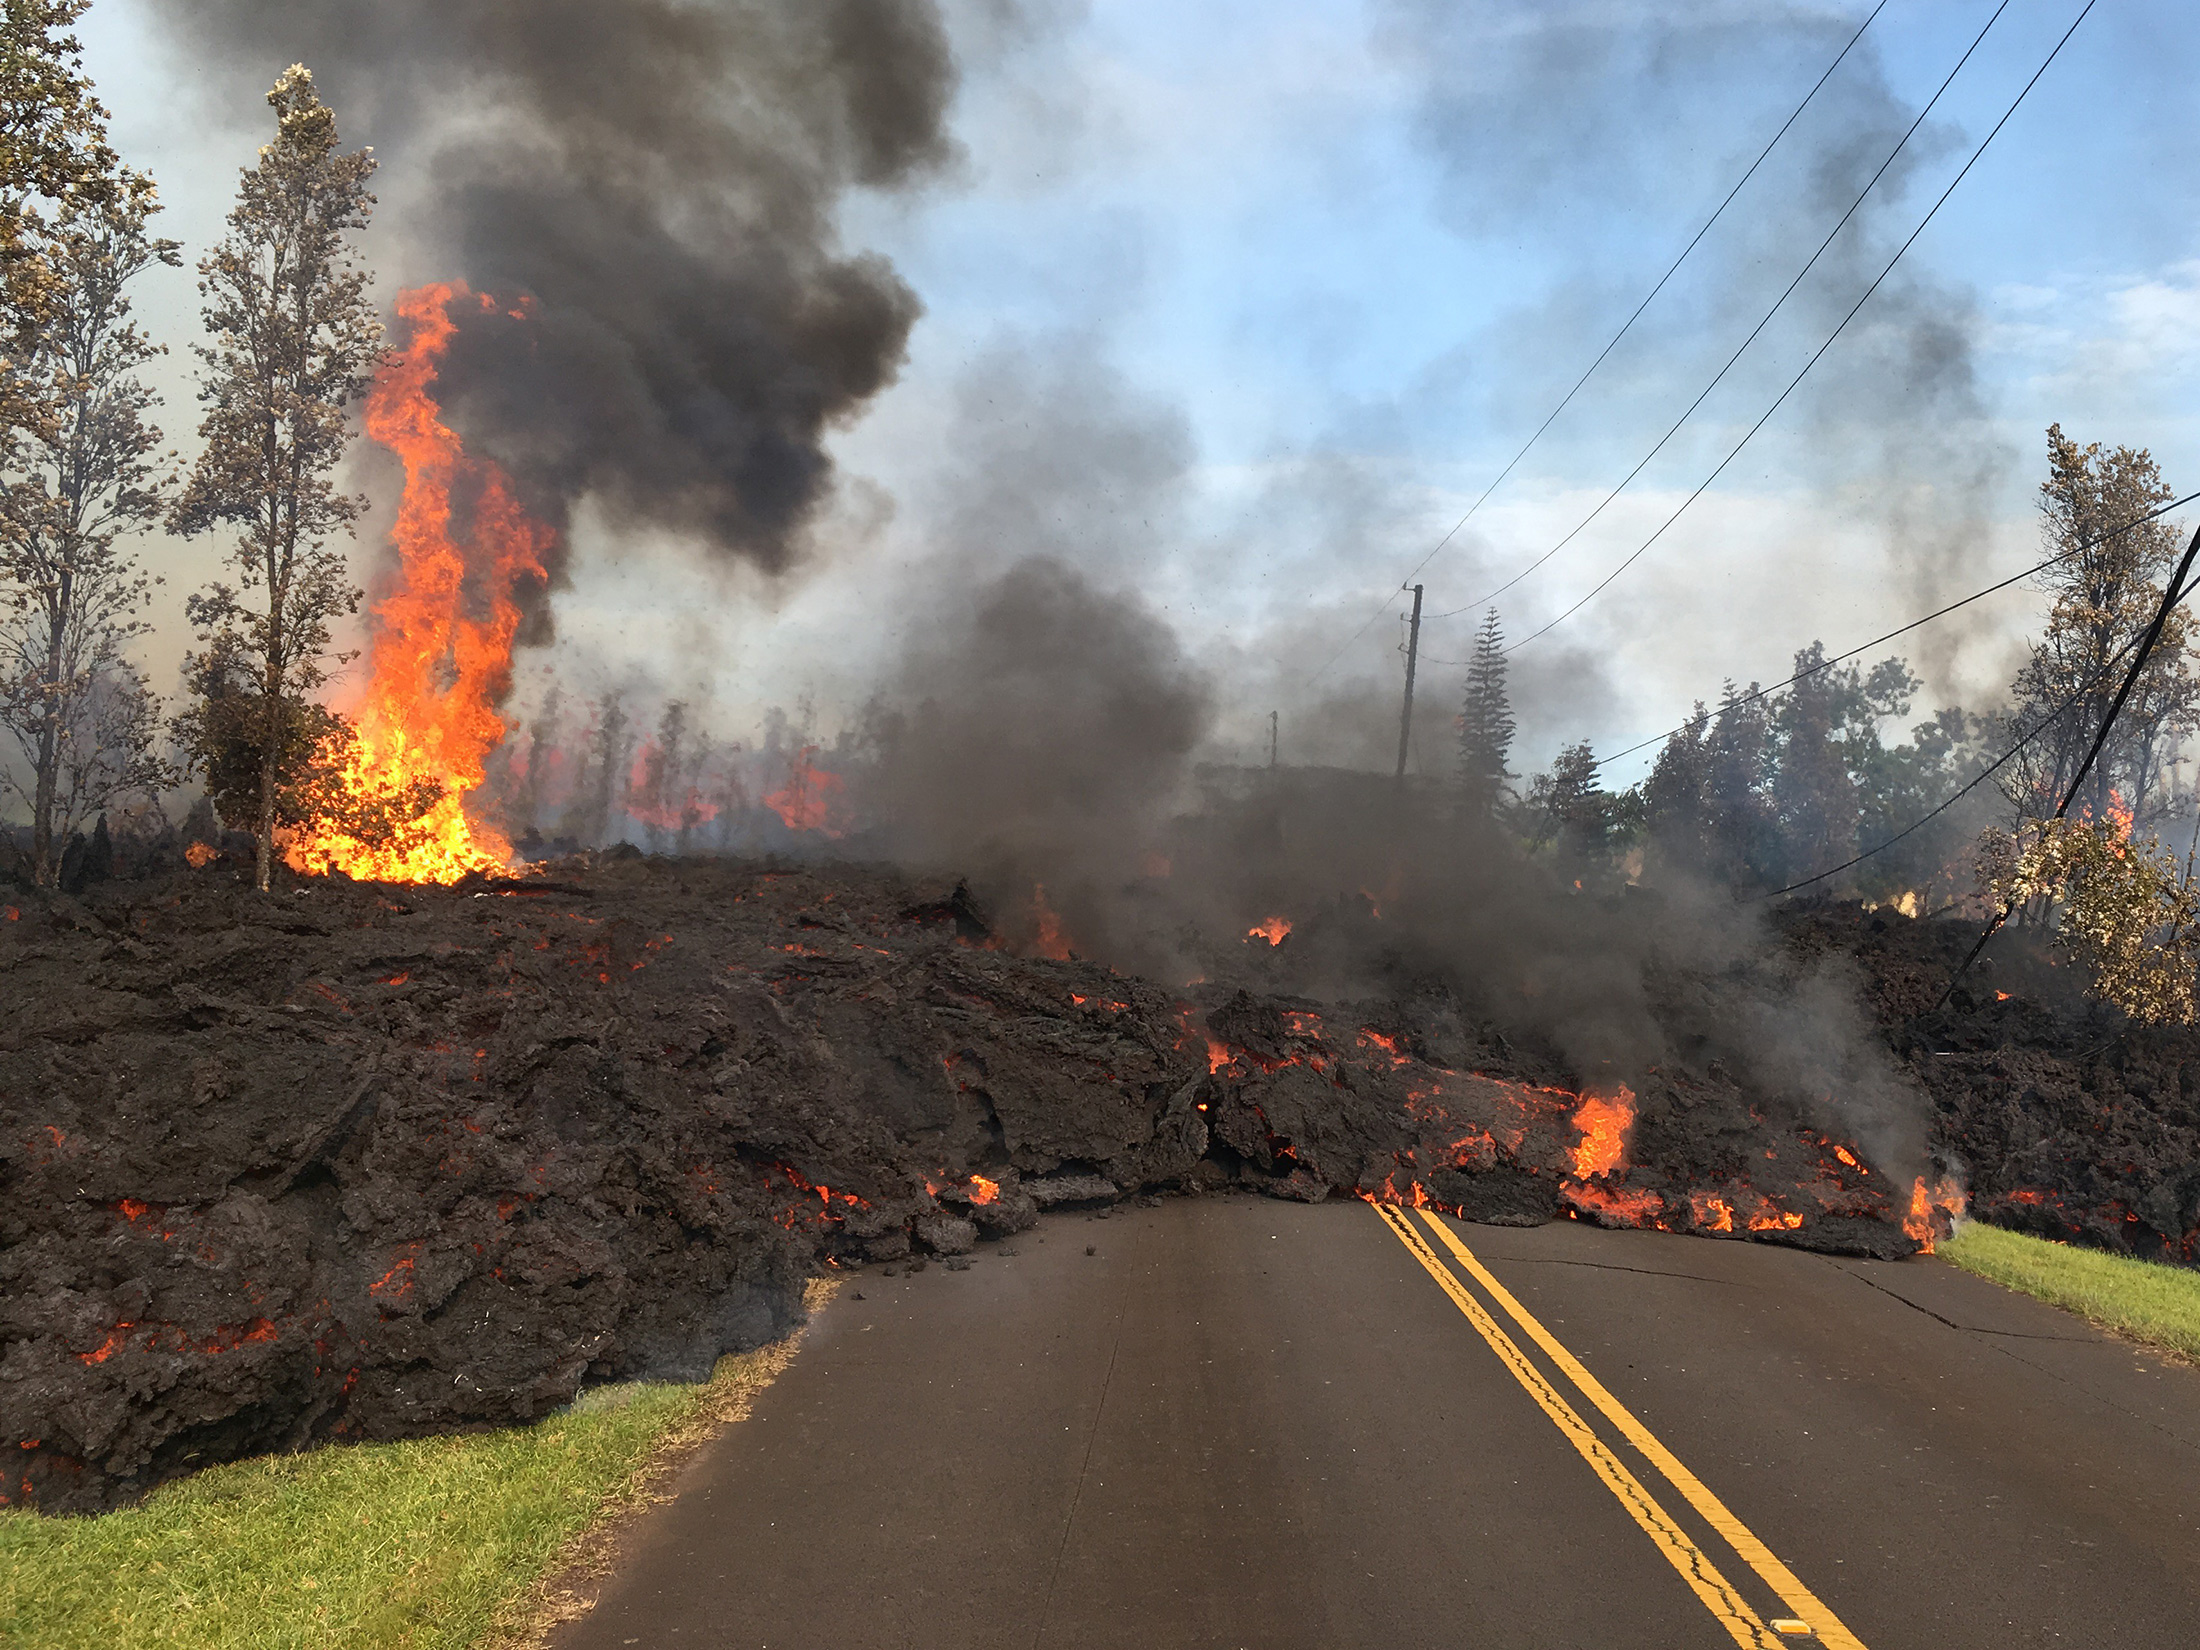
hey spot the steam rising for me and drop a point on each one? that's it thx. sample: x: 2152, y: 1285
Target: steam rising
x: 647, y: 188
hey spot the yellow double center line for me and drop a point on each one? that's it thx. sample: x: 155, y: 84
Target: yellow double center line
x: 1719, y: 1596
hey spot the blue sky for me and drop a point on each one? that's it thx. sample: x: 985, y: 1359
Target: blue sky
x: 1241, y: 305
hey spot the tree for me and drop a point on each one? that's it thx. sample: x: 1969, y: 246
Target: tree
x: 2126, y: 913
x: 601, y: 786
x: 223, y: 730
x: 53, y: 157
x: 2104, y: 594
x: 294, y: 341
x: 543, y: 733
x: 1570, y: 808
x: 1485, y: 721
x: 1741, y: 757
x: 1898, y: 786
x: 1675, y: 798
x: 84, y: 472
x: 1812, y: 793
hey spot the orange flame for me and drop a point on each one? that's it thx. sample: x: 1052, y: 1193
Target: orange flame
x: 441, y: 653
x: 1933, y: 1209
x: 1273, y: 930
x: 1051, y: 941
x: 1603, y: 1125
x: 1712, y: 1213
x: 813, y: 799
x: 2119, y: 815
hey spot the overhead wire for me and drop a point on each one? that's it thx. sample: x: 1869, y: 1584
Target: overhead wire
x: 1757, y: 693
x: 1777, y: 304
x: 1605, y: 583
x: 1625, y: 328
x: 1978, y: 779
x: 2170, y: 598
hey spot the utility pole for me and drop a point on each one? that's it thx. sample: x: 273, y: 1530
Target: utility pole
x: 1413, y: 658
x: 1271, y: 739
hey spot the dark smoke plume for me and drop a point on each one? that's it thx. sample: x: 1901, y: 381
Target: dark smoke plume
x: 652, y: 185
x: 1039, y: 739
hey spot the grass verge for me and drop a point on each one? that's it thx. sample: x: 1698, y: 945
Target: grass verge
x: 431, y: 1544
x: 2141, y: 1300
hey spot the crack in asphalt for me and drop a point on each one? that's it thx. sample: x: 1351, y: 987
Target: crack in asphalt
x: 1640, y: 1271
x: 1966, y: 1328
x: 1084, y: 1471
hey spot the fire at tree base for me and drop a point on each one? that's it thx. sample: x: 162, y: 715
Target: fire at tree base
x: 367, y: 1162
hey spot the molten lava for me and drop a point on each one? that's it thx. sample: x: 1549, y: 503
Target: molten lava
x: 1603, y: 1124
x: 1712, y: 1213
x: 1933, y: 1211
x: 1273, y: 930
x: 440, y: 657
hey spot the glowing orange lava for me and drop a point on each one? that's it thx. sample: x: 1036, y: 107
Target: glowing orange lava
x: 1273, y: 930
x: 1620, y: 1206
x: 1712, y: 1213
x: 1932, y: 1210
x: 440, y: 657
x: 984, y: 1191
x: 1603, y: 1124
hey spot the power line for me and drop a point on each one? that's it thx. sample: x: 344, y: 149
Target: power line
x: 1986, y: 773
x: 1606, y: 581
x: 2170, y: 598
x: 1777, y: 303
x: 1625, y: 328
x: 1756, y: 694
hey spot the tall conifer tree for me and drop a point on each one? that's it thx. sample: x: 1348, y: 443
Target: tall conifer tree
x: 1485, y: 720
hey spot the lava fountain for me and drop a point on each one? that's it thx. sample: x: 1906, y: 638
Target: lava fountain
x: 440, y: 649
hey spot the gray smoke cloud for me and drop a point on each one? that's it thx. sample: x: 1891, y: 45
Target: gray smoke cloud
x: 658, y: 181
x: 1041, y: 736
x: 1553, y: 123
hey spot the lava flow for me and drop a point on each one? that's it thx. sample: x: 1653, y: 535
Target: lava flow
x: 1603, y: 1123
x: 1933, y: 1210
x: 441, y: 649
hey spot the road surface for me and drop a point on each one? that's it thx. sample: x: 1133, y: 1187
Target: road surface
x: 1245, y: 1423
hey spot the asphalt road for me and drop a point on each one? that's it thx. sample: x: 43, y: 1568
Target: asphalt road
x: 1253, y: 1424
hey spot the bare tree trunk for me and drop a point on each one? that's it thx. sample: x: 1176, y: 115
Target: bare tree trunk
x: 45, y: 863
x: 271, y: 706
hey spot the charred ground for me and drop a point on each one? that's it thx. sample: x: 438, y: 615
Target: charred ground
x: 358, y: 1162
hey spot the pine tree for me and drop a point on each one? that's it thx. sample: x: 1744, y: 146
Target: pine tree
x: 295, y: 341
x: 81, y: 477
x: 1485, y: 721
x: 1572, y: 809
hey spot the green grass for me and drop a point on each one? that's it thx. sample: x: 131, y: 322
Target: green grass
x: 436, y: 1542
x: 2139, y: 1299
